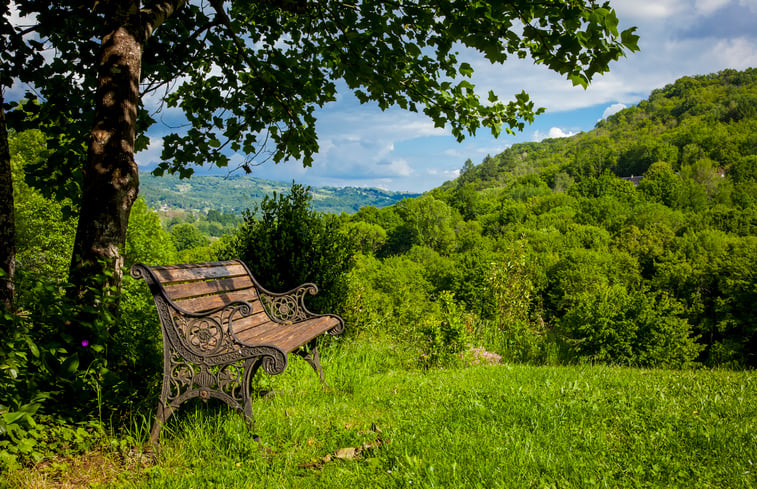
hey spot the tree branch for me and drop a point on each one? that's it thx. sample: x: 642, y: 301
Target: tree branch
x: 155, y: 16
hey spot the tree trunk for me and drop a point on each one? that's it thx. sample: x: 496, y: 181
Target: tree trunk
x: 111, y: 176
x: 7, y: 219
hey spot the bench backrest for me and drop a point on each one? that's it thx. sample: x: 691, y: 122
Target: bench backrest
x: 199, y: 287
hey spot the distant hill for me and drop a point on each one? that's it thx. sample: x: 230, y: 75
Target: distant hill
x: 235, y: 193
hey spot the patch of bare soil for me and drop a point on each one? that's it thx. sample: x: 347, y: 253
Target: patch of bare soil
x: 97, y: 468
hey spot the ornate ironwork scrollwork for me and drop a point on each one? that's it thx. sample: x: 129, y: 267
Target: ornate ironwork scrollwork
x: 290, y: 306
x: 203, y: 339
x: 205, y: 335
x: 273, y: 361
x: 187, y: 379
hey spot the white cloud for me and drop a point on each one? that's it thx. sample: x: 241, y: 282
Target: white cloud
x: 395, y: 168
x: 613, y: 109
x: 706, y: 7
x: 653, y: 10
x: 150, y: 156
x: 444, y: 173
x: 739, y: 53
x: 750, y: 4
x: 553, y: 133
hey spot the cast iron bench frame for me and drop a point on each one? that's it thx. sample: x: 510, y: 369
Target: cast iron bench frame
x: 219, y: 326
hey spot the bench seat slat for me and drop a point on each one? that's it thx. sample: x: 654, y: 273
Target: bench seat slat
x: 305, y: 332
x: 208, y: 287
x: 288, y: 337
x: 243, y: 325
x: 183, y: 273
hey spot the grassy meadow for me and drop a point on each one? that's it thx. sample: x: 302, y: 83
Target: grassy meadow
x: 385, y: 423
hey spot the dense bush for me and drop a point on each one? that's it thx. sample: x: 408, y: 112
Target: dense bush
x: 289, y: 244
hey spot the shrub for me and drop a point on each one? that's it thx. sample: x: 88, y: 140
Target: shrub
x: 617, y: 326
x: 446, y: 335
x: 289, y: 244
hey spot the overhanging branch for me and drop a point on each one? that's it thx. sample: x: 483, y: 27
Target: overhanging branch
x: 153, y: 17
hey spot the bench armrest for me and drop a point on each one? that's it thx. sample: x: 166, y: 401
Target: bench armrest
x: 208, y: 338
x: 289, y: 307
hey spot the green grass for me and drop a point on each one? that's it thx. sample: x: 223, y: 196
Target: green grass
x: 488, y: 426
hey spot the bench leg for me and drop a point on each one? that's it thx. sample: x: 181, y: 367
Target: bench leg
x: 313, y: 358
x: 251, y: 368
x: 164, y: 412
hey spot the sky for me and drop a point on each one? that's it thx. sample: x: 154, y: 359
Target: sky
x: 361, y: 146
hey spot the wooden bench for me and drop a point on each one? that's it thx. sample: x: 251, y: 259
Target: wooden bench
x: 220, y: 326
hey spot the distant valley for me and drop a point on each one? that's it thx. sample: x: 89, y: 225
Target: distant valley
x: 235, y: 193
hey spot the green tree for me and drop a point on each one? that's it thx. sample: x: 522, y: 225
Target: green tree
x: 429, y: 222
x: 249, y: 75
x: 368, y: 237
x: 18, y: 58
x: 639, y: 157
x: 7, y: 218
x: 744, y: 170
x: 513, y: 292
x: 146, y: 240
x: 186, y: 236
x: 467, y: 172
x: 661, y: 184
x: 735, y: 306
x: 618, y: 326
x: 44, y: 233
x: 289, y: 244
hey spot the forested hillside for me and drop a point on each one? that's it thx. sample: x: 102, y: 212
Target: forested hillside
x: 235, y: 193
x: 697, y: 123
x: 549, y: 253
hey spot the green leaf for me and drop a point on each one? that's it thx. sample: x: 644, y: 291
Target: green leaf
x: 629, y: 39
x: 12, y: 417
x: 611, y: 22
x: 26, y: 445
x: 70, y: 364
x: 32, y: 347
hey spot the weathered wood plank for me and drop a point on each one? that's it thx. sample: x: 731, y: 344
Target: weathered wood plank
x: 303, y: 333
x: 289, y: 337
x: 243, y: 325
x: 209, y: 287
x: 248, y: 335
x: 185, y: 273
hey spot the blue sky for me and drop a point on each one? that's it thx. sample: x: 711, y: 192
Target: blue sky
x: 397, y: 150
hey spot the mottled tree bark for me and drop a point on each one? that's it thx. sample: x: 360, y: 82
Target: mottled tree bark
x: 7, y: 219
x: 111, y: 176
